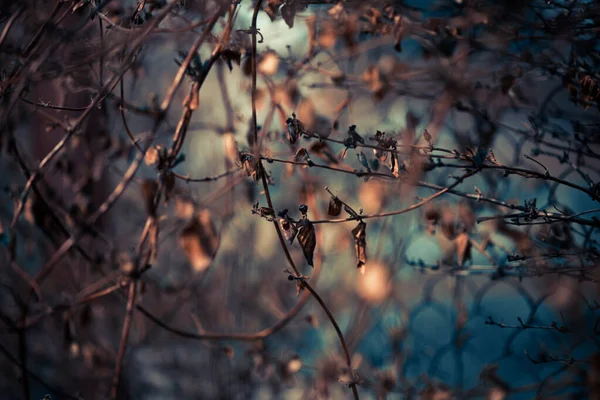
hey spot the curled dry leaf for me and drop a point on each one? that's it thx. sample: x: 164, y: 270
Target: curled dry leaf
x: 360, y: 245
x: 294, y: 128
x: 199, y: 240
x: 288, y: 228
x: 335, y: 207
x: 250, y: 165
x: 307, y: 239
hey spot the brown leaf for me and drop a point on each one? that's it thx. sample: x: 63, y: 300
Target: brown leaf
x: 322, y: 149
x: 271, y: 8
x: 288, y: 228
x: 199, y: 240
x: 307, y: 239
x: 149, y: 190
x: 360, y: 245
x: 463, y: 248
x: 335, y: 207
x: 288, y: 12
x: 250, y: 165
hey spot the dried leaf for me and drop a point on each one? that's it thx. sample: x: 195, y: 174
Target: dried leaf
x: 307, y: 239
x: 294, y: 128
x: 199, y: 240
x: 360, y: 245
x: 335, y: 207
x: 288, y: 12
x: 271, y: 8
x: 324, y: 152
x: 288, y: 228
x: 463, y: 248
x: 250, y: 165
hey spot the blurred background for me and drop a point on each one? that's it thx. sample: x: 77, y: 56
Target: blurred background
x: 139, y: 257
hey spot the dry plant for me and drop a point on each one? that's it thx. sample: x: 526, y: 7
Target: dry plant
x: 300, y: 199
